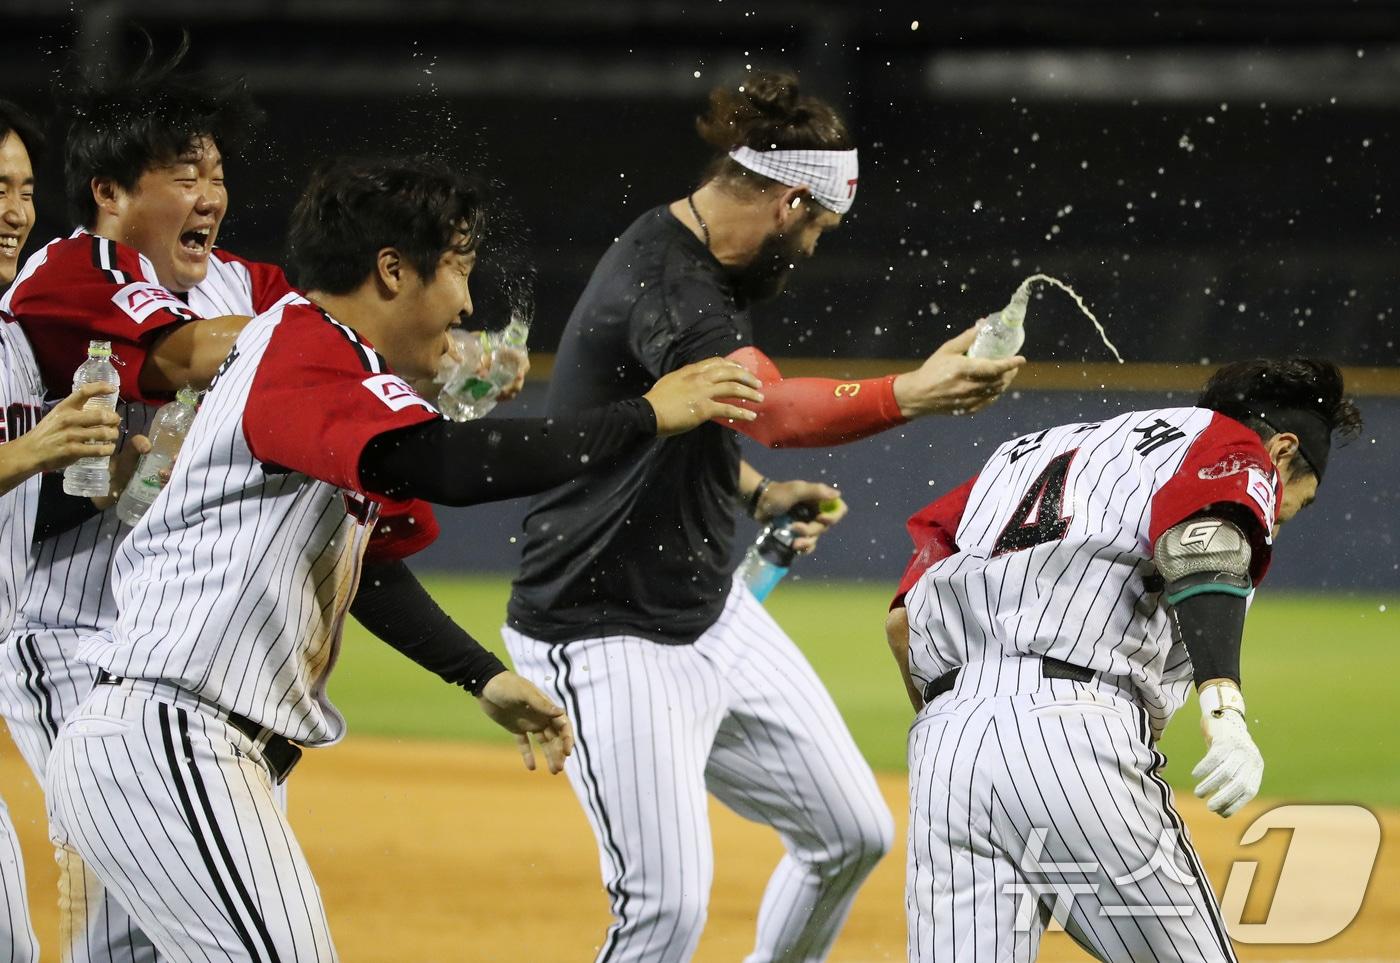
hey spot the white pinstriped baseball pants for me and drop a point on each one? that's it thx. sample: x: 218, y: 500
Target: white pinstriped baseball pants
x: 1026, y: 792
x: 40, y: 684
x: 742, y: 714
x: 175, y: 812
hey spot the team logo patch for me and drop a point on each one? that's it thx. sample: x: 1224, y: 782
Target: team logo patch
x: 396, y: 393
x: 1260, y: 487
x: 1231, y: 464
x: 141, y: 299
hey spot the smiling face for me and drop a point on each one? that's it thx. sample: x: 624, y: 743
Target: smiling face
x: 172, y: 215
x: 16, y: 203
x: 427, y: 309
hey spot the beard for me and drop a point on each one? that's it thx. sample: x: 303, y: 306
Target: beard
x: 765, y: 277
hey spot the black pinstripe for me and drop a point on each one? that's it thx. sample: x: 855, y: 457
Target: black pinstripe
x: 192, y: 821
x: 617, y: 893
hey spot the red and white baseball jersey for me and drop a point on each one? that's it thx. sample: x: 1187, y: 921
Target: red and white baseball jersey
x: 1048, y: 551
x: 22, y: 398
x: 83, y: 288
x: 235, y: 584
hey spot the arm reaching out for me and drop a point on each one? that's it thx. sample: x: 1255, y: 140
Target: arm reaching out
x: 818, y: 412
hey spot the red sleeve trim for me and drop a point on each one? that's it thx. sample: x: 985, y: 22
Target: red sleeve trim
x: 934, y: 531
x: 814, y: 412
x: 403, y: 529
x: 1227, y: 464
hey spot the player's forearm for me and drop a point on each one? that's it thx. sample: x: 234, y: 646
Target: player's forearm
x: 395, y: 608
x: 481, y: 461
x: 814, y: 412
x: 17, y: 463
x: 190, y: 354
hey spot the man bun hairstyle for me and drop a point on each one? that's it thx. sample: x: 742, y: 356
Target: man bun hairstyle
x: 14, y: 120
x: 1304, y: 396
x: 355, y: 207
x: 766, y: 111
x: 123, y: 123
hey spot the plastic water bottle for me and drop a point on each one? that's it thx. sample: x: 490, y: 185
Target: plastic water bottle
x: 92, y: 477
x: 466, y: 393
x: 168, y: 432
x: 772, y: 553
x: 1001, y: 335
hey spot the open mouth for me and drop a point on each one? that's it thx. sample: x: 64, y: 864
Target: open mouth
x: 9, y: 245
x: 196, y: 241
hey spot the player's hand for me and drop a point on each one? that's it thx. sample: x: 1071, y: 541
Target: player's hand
x: 1231, y: 771
x: 780, y: 498
x: 517, y: 706
x: 68, y: 433
x: 519, y: 359
x: 951, y: 383
x: 122, y: 466
x: 690, y: 396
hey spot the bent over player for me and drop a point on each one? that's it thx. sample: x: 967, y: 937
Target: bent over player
x: 233, y: 588
x: 625, y: 606
x: 1056, y: 612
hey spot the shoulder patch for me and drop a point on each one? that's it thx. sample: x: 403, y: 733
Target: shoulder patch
x: 396, y: 393
x: 1231, y: 464
x: 141, y: 299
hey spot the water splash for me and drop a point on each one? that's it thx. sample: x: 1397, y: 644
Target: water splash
x: 1023, y: 292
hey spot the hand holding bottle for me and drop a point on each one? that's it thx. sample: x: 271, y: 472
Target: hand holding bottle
x: 951, y: 383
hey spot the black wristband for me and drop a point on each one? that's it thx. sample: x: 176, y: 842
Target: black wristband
x: 756, y: 495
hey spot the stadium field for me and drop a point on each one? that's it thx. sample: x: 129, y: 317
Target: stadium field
x: 1319, y: 672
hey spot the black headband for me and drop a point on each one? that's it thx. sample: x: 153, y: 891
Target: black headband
x: 1313, y: 430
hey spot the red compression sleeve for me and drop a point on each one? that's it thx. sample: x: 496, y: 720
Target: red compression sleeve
x: 814, y: 412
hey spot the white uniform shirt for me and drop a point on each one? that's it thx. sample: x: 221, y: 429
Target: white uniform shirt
x: 22, y: 404
x: 81, y: 288
x: 1048, y: 551
x: 235, y: 584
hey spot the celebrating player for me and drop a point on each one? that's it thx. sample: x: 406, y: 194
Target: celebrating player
x: 234, y: 586
x: 1055, y: 614
x: 31, y: 443
x: 145, y: 179
x: 624, y: 608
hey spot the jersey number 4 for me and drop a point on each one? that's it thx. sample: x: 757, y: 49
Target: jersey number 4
x: 1045, y: 500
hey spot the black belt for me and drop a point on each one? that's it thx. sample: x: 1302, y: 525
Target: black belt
x: 1049, y: 669
x: 279, y: 752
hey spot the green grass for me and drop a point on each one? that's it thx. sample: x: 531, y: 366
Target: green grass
x: 1320, y: 675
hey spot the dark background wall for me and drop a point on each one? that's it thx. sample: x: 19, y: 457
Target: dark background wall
x: 1349, y: 539
x: 1216, y: 178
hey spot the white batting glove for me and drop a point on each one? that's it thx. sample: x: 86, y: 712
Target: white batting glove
x: 1232, y: 769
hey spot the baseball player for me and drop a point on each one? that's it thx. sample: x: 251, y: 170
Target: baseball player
x: 625, y: 609
x: 145, y: 179
x: 31, y: 443
x: 163, y: 779
x: 1057, y: 610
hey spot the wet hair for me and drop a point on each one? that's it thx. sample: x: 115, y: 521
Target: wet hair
x: 14, y: 120
x: 1300, y: 395
x: 355, y: 207
x: 766, y: 111
x: 121, y: 125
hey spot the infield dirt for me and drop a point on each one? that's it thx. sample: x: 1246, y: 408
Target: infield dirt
x: 443, y: 851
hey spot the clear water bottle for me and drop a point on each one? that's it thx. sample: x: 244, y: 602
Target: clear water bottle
x: 92, y: 477
x: 466, y: 393
x: 168, y: 431
x: 1001, y: 335
x: 772, y: 553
